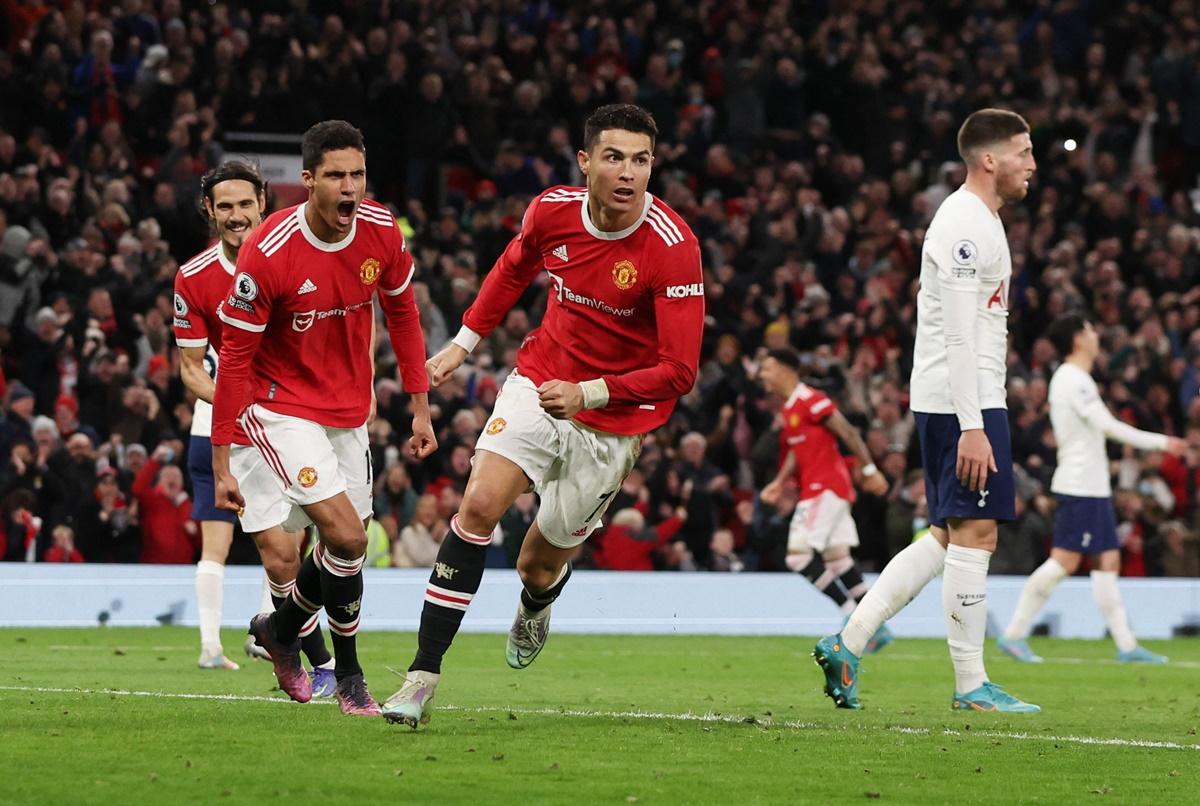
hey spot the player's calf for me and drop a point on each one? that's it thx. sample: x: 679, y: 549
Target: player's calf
x: 453, y: 583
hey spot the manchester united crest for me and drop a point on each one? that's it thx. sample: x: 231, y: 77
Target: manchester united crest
x: 307, y: 477
x: 369, y: 271
x: 496, y: 426
x: 624, y: 274
x: 794, y: 421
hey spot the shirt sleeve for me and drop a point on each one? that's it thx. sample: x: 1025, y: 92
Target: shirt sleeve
x: 959, y: 261
x: 819, y: 407
x: 403, y: 320
x: 679, y: 318
x: 191, y: 329
x: 245, y: 313
x: 1091, y: 409
x: 508, y: 279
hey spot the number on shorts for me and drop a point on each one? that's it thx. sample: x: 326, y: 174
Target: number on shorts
x: 1087, y: 539
x: 370, y: 470
x: 603, y: 500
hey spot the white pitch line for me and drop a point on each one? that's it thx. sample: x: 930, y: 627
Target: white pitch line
x: 656, y: 716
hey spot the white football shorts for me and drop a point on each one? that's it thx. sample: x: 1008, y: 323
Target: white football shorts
x: 311, y: 462
x: 575, y: 469
x: 821, y: 522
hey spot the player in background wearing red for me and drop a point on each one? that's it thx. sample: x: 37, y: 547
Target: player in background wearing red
x: 619, y: 344
x: 296, y: 374
x: 233, y: 195
x: 822, y: 531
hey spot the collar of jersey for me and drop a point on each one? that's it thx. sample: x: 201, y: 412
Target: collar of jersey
x: 225, y: 262
x: 795, y: 395
x: 613, y: 236
x: 316, y: 242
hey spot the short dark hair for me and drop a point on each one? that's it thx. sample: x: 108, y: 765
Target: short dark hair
x: 328, y: 135
x: 630, y: 117
x: 986, y: 127
x: 786, y: 356
x: 1062, y: 332
x: 232, y: 169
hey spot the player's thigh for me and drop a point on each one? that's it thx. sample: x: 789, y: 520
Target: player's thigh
x: 521, y: 431
x: 299, y: 453
x: 1068, y: 559
x: 204, y: 489
x: 973, y: 533
x: 353, y: 452
x: 581, y: 484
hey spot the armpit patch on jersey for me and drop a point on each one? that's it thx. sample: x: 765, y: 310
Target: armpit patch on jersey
x: 245, y: 287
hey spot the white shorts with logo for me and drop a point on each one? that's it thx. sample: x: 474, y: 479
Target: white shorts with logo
x: 821, y: 523
x: 261, y: 488
x: 574, y: 469
x: 311, y: 462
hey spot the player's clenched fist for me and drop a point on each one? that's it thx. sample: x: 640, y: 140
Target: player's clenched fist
x: 443, y: 364
x: 228, y: 495
x: 561, y: 399
x: 422, y: 442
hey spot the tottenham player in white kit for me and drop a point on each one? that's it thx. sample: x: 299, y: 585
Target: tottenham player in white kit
x: 1084, y: 522
x: 958, y: 396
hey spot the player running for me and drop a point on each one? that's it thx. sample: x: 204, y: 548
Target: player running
x: 958, y: 396
x: 822, y: 530
x: 619, y: 344
x: 296, y: 373
x: 1084, y: 522
x: 234, y: 200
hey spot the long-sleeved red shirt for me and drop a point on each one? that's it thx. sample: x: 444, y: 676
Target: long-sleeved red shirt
x: 298, y: 317
x: 169, y: 535
x: 626, y: 306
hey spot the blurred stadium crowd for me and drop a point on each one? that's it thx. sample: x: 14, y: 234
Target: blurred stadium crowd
x: 808, y: 144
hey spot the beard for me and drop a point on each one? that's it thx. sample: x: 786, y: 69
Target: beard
x: 1012, y: 190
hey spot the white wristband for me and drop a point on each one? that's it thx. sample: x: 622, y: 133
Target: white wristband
x: 595, y: 393
x: 466, y: 338
x: 869, y: 470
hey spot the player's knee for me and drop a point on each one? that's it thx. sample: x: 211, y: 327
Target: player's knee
x: 481, y: 510
x: 349, y: 542
x: 536, y: 574
x: 282, y: 563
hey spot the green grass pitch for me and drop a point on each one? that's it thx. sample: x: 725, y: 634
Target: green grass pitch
x: 124, y: 716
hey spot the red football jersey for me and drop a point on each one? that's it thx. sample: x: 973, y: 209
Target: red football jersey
x: 625, y: 306
x: 299, y: 315
x: 200, y: 286
x: 819, y: 464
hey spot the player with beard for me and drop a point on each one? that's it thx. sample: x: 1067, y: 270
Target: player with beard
x: 296, y: 375
x: 958, y: 395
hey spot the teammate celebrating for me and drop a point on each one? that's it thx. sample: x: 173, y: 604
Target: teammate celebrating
x: 1084, y: 522
x: 234, y: 200
x: 296, y: 370
x: 958, y: 396
x: 822, y: 530
x: 619, y: 344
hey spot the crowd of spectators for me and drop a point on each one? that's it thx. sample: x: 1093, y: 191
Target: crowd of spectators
x: 807, y: 144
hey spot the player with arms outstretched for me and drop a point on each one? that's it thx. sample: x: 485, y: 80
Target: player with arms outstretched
x: 233, y: 195
x: 619, y: 344
x: 296, y: 375
x: 958, y: 395
x: 1084, y: 522
x: 822, y: 530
